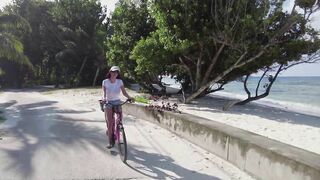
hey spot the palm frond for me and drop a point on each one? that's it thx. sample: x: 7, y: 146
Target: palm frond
x: 9, y: 22
x: 11, y: 49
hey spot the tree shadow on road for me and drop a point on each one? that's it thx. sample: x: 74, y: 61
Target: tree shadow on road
x: 157, y: 166
x: 7, y: 104
x: 39, y: 127
x: 42, y: 127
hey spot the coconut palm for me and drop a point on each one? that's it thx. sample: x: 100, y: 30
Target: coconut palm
x: 11, y: 48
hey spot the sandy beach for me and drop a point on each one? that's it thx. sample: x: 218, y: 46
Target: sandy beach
x: 299, y: 130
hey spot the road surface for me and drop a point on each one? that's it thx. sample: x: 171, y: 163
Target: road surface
x: 47, y: 138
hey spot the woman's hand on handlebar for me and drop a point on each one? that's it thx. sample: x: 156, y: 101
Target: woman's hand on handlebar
x: 131, y: 100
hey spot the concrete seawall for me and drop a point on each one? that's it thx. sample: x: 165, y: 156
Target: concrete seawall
x: 261, y: 157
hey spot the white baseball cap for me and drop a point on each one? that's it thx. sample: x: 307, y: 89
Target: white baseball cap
x: 115, y: 68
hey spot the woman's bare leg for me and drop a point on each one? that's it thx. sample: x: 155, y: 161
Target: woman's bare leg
x: 110, y: 125
x: 106, y: 119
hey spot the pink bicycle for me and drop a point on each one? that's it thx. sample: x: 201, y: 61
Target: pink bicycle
x: 119, y: 134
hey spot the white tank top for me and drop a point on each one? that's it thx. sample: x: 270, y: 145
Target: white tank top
x: 112, y: 89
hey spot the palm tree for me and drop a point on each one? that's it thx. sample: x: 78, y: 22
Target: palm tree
x: 11, y: 48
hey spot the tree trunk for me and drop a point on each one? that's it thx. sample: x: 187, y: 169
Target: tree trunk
x: 245, y: 86
x: 265, y: 94
x: 198, y: 70
x: 241, y: 63
x: 192, y: 81
x: 252, y: 99
x: 80, y: 71
x: 213, y: 62
x: 96, y: 76
x: 258, y: 86
x: 218, y: 78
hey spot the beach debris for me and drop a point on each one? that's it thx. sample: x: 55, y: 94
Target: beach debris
x: 157, y: 97
x: 164, y: 106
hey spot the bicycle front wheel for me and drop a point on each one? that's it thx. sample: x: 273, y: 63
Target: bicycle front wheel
x: 122, y: 145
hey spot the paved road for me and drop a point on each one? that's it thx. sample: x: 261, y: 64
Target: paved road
x: 44, y: 138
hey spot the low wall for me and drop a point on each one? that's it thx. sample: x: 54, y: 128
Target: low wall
x: 259, y: 156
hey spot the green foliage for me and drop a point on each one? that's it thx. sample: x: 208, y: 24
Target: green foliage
x: 151, y: 56
x: 66, y: 43
x: 141, y: 99
x: 79, y: 21
x: 200, y: 43
x: 11, y: 47
x: 305, y: 3
x: 219, y: 41
x: 77, y: 14
x: 130, y: 23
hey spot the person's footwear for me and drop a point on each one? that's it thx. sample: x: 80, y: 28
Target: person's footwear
x: 110, y: 146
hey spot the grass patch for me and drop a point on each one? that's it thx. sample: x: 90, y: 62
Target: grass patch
x: 141, y: 99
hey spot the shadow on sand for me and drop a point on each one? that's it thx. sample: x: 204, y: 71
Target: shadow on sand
x: 215, y: 104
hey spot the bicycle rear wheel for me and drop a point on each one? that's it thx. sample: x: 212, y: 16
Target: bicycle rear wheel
x: 122, y: 145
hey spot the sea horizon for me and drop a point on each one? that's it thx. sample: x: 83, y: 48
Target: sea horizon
x: 299, y: 94
x: 296, y: 93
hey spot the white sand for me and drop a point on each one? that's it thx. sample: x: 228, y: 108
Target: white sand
x: 292, y: 128
x: 296, y: 129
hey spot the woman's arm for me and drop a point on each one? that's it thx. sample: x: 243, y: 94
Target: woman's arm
x: 104, y: 92
x: 124, y: 92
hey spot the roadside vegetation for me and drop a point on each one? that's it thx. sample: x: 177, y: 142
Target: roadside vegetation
x: 203, y: 45
x: 142, y: 99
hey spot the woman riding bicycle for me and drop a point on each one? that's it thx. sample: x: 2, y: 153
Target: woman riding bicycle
x: 111, y: 87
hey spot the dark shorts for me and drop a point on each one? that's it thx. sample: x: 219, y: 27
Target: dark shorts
x: 110, y: 103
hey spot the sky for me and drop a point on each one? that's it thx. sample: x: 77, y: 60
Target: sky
x: 299, y: 70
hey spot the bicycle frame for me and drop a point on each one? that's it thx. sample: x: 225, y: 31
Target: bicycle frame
x: 118, y: 130
x: 117, y: 116
x: 117, y: 123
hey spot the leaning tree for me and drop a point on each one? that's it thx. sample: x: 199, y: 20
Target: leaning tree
x: 218, y: 41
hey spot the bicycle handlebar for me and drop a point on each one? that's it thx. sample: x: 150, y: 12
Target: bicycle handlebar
x: 106, y: 102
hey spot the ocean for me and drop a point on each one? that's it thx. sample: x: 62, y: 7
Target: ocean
x: 298, y: 94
